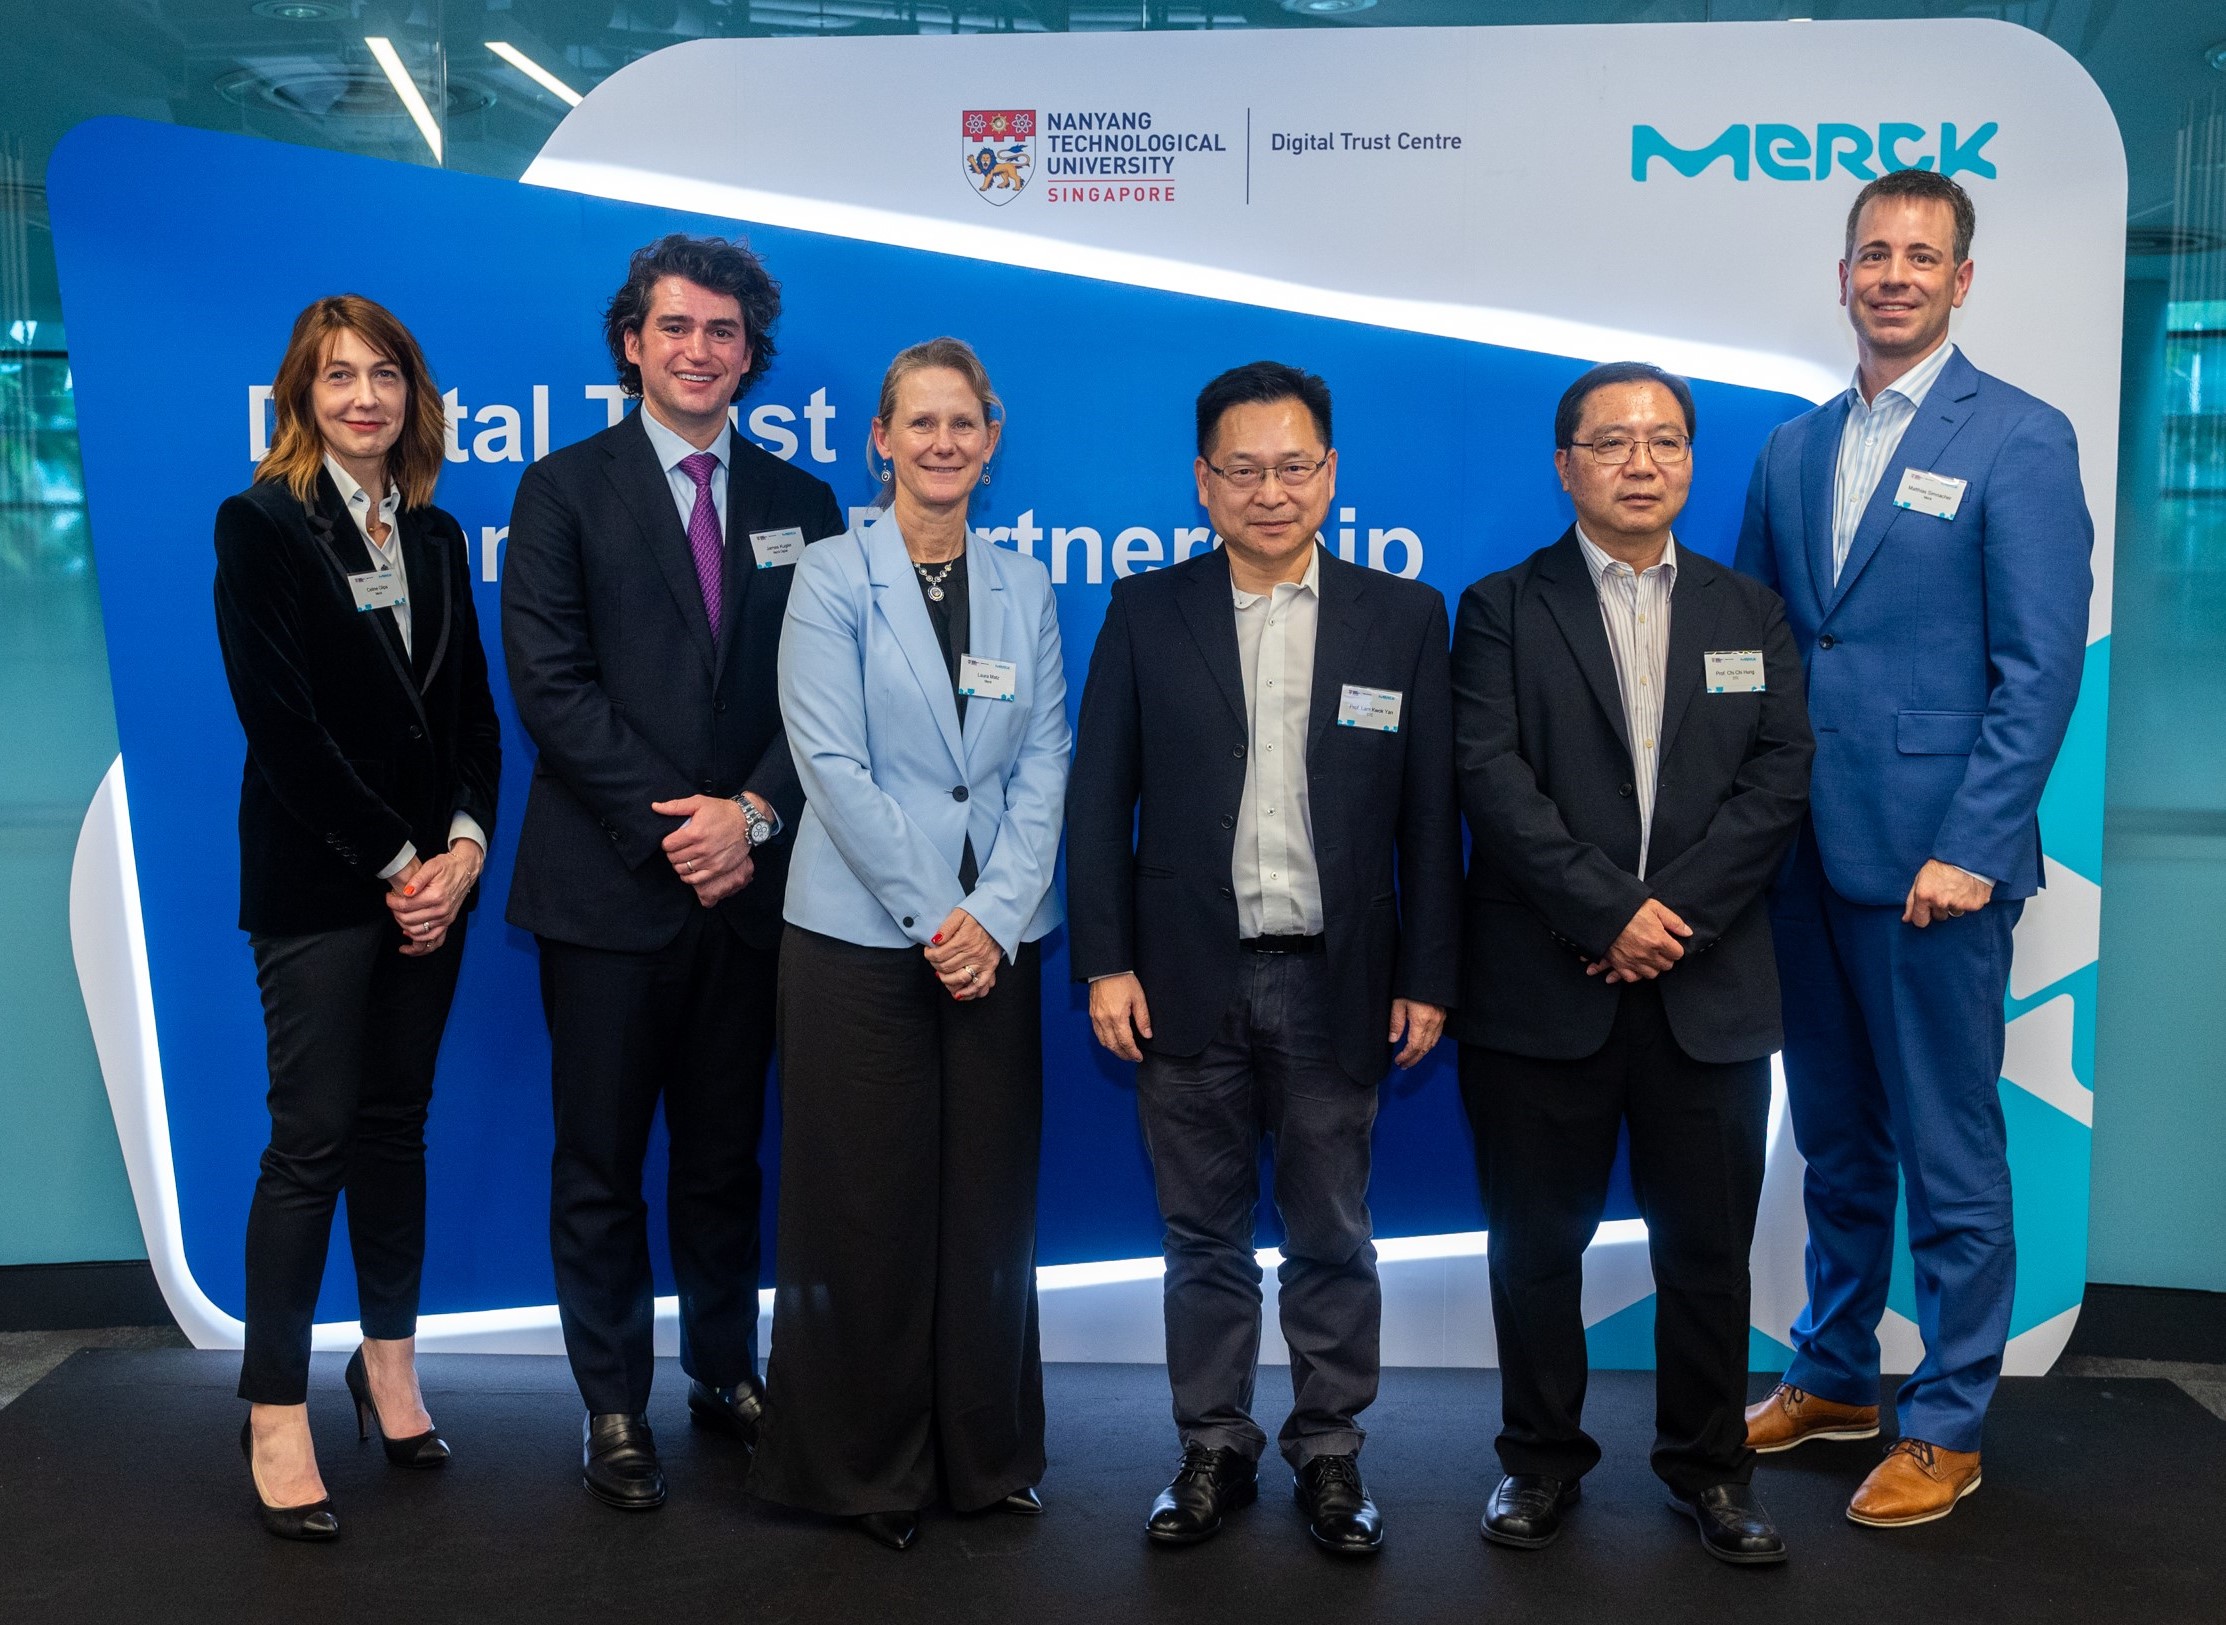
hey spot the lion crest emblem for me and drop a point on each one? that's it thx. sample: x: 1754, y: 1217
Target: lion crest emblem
x: 998, y: 148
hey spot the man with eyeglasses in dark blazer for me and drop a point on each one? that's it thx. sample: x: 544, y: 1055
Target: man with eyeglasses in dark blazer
x: 1263, y: 858
x: 1633, y: 755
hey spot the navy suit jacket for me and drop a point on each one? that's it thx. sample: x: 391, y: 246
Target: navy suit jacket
x: 627, y: 696
x: 1943, y: 665
x: 1159, y: 772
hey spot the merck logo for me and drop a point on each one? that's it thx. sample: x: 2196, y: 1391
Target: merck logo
x: 1792, y: 152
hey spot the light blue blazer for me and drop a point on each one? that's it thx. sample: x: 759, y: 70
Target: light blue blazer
x: 893, y: 788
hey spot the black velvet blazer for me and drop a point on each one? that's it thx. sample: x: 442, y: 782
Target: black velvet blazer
x: 353, y: 746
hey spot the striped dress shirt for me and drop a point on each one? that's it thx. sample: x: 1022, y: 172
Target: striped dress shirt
x: 1868, y: 442
x: 1635, y: 609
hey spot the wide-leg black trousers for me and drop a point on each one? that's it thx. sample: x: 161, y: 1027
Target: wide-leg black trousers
x: 905, y: 1357
x: 1546, y: 1137
x: 354, y: 1028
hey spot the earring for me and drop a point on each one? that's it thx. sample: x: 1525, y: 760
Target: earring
x: 882, y: 473
x: 985, y: 473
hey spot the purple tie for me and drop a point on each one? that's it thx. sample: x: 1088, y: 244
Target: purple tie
x: 703, y: 534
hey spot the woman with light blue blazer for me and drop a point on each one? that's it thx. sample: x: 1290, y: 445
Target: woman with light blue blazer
x: 924, y: 696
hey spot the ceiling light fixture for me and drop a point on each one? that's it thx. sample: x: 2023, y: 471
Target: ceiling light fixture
x: 536, y: 72
x: 1326, y: 8
x: 2216, y: 56
x: 390, y: 63
x: 298, y: 11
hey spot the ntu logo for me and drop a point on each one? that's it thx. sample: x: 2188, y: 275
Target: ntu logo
x: 1793, y: 152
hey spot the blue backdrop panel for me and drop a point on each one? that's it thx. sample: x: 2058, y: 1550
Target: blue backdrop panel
x: 185, y: 257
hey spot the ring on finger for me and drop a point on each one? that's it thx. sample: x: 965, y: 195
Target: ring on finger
x: 970, y: 972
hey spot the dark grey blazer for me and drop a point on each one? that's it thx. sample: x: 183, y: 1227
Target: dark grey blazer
x: 627, y: 697
x: 1159, y: 772
x: 1546, y: 782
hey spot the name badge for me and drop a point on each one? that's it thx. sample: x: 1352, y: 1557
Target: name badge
x: 1734, y: 671
x: 1376, y: 708
x: 378, y: 589
x: 1936, y: 494
x: 980, y: 679
x: 774, y: 547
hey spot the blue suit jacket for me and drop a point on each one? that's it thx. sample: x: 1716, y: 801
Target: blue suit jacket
x: 874, y: 732
x: 1943, y: 666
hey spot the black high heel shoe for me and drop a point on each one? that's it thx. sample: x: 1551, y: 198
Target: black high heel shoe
x: 427, y: 1449
x: 316, y: 1521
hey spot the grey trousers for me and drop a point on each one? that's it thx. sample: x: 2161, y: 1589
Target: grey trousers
x: 1268, y: 1071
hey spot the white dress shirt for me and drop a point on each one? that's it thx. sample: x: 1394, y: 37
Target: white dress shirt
x: 1279, y: 890
x: 1868, y: 441
x: 389, y: 555
x: 1635, y: 609
x: 670, y: 449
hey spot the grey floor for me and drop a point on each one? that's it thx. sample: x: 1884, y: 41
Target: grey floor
x: 25, y: 1357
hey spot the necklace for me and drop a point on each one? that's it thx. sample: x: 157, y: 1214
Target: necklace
x: 935, y: 581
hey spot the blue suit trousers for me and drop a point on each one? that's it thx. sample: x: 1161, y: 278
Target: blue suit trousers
x: 1893, y: 1064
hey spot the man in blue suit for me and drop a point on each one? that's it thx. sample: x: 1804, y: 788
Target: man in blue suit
x: 1928, y: 533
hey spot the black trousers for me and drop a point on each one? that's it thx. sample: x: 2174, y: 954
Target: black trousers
x: 691, y: 1023
x: 1545, y: 1142
x: 354, y: 1028
x: 1270, y: 1070
x: 905, y: 1356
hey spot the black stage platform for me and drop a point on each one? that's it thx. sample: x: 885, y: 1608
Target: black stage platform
x: 123, y: 1497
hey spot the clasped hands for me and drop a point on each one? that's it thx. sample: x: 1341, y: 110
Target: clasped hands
x: 711, y: 851
x: 426, y: 895
x: 1652, y: 943
x: 964, y: 956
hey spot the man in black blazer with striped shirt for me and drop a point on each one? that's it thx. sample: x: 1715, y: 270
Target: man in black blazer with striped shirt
x: 1632, y: 746
x: 643, y: 595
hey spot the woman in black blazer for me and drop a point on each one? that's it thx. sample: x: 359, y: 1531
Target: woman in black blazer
x: 344, y: 606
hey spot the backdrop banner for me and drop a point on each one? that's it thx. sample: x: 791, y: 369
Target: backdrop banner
x: 1447, y: 224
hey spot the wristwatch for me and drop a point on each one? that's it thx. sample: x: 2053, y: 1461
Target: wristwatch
x: 760, y: 826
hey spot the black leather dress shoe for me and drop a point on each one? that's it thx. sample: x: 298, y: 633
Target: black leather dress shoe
x: 1024, y: 1503
x: 1733, y: 1523
x: 737, y: 1412
x: 895, y: 1530
x: 618, y: 1462
x: 1525, y: 1510
x: 1339, y: 1514
x: 1212, y: 1481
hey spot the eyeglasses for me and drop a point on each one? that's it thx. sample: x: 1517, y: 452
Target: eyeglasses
x: 1291, y: 476
x: 1614, y: 450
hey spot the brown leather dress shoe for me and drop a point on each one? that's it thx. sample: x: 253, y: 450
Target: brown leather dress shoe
x: 1916, y: 1483
x: 1792, y: 1416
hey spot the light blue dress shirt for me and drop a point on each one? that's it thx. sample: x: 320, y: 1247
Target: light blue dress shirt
x: 1868, y: 441
x: 670, y: 449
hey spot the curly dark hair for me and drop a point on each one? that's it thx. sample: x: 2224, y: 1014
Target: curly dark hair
x: 709, y: 262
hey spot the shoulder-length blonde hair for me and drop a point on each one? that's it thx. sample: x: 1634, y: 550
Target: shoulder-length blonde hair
x: 297, y: 453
